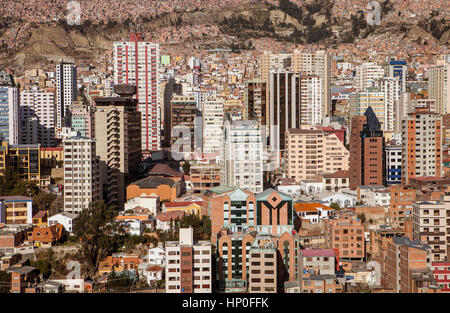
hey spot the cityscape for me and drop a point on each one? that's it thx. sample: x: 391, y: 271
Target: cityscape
x: 224, y: 147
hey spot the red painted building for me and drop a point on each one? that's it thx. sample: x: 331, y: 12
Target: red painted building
x: 441, y: 272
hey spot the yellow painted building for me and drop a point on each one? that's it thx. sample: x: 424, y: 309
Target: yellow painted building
x: 51, y: 156
x: 25, y: 159
x: 189, y: 207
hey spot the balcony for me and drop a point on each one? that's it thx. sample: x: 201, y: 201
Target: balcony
x: 436, y: 242
x: 427, y: 233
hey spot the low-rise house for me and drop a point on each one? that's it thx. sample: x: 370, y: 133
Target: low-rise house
x: 313, y: 212
x: 374, y: 195
x: 319, y: 261
x: 290, y: 187
x: 119, y: 262
x: 150, y: 272
x: 45, y: 236
x: 163, y: 219
x: 336, y: 181
x: 66, y: 219
x: 133, y: 227
x: 312, y: 283
x: 145, y: 203
x: 51, y: 287
x: 156, y: 256
x: 70, y: 284
x: 342, y: 199
x: 292, y: 286
x: 190, y: 207
x: 41, y: 218
x: 311, y: 187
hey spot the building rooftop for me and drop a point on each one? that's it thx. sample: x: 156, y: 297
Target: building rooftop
x: 304, y: 131
x: 15, y: 198
x: 164, y: 169
x: 152, y: 182
x: 266, y: 193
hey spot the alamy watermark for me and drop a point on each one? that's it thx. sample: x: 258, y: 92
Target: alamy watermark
x: 374, y: 16
x: 74, y: 15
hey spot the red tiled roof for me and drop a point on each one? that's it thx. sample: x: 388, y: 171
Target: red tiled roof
x: 310, y: 207
x: 154, y: 268
x: 171, y: 215
x: 164, y: 169
x: 40, y: 214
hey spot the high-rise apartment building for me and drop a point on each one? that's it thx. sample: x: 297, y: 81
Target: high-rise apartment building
x: 66, y: 92
x: 393, y: 164
x: 367, y: 159
x: 284, y: 107
x: 81, y: 174
x: 118, y: 142
x: 430, y: 220
x: 367, y: 74
x: 184, y: 117
x: 390, y: 87
x: 317, y: 63
x: 9, y: 114
x: 213, y: 117
x: 408, y: 103
x: 82, y: 119
x: 397, y: 69
x: 243, y: 155
x: 311, y: 93
x: 359, y: 102
x: 439, y: 84
x: 188, y: 264
x: 255, y: 105
x: 37, y: 117
x: 311, y: 151
x: 263, y: 265
x: 240, y: 217
x: 136, y: 63
x: 421, y: 145
x: 23, y: 159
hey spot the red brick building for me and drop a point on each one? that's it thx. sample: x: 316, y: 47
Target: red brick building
x: 346, y: 234
x: 367, y: 158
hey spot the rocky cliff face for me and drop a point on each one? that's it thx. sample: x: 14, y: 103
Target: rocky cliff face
x: 41, y: 42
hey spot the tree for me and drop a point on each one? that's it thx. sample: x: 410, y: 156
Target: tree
x: 5, y: 281
x: 335, y: 206
x: 362, y: 217
x: 99, y: 234
x: 186, y: 168
x: 43, y: 265
x: 12, y: 185
x: 43, y: 201
x: 118, y: 280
